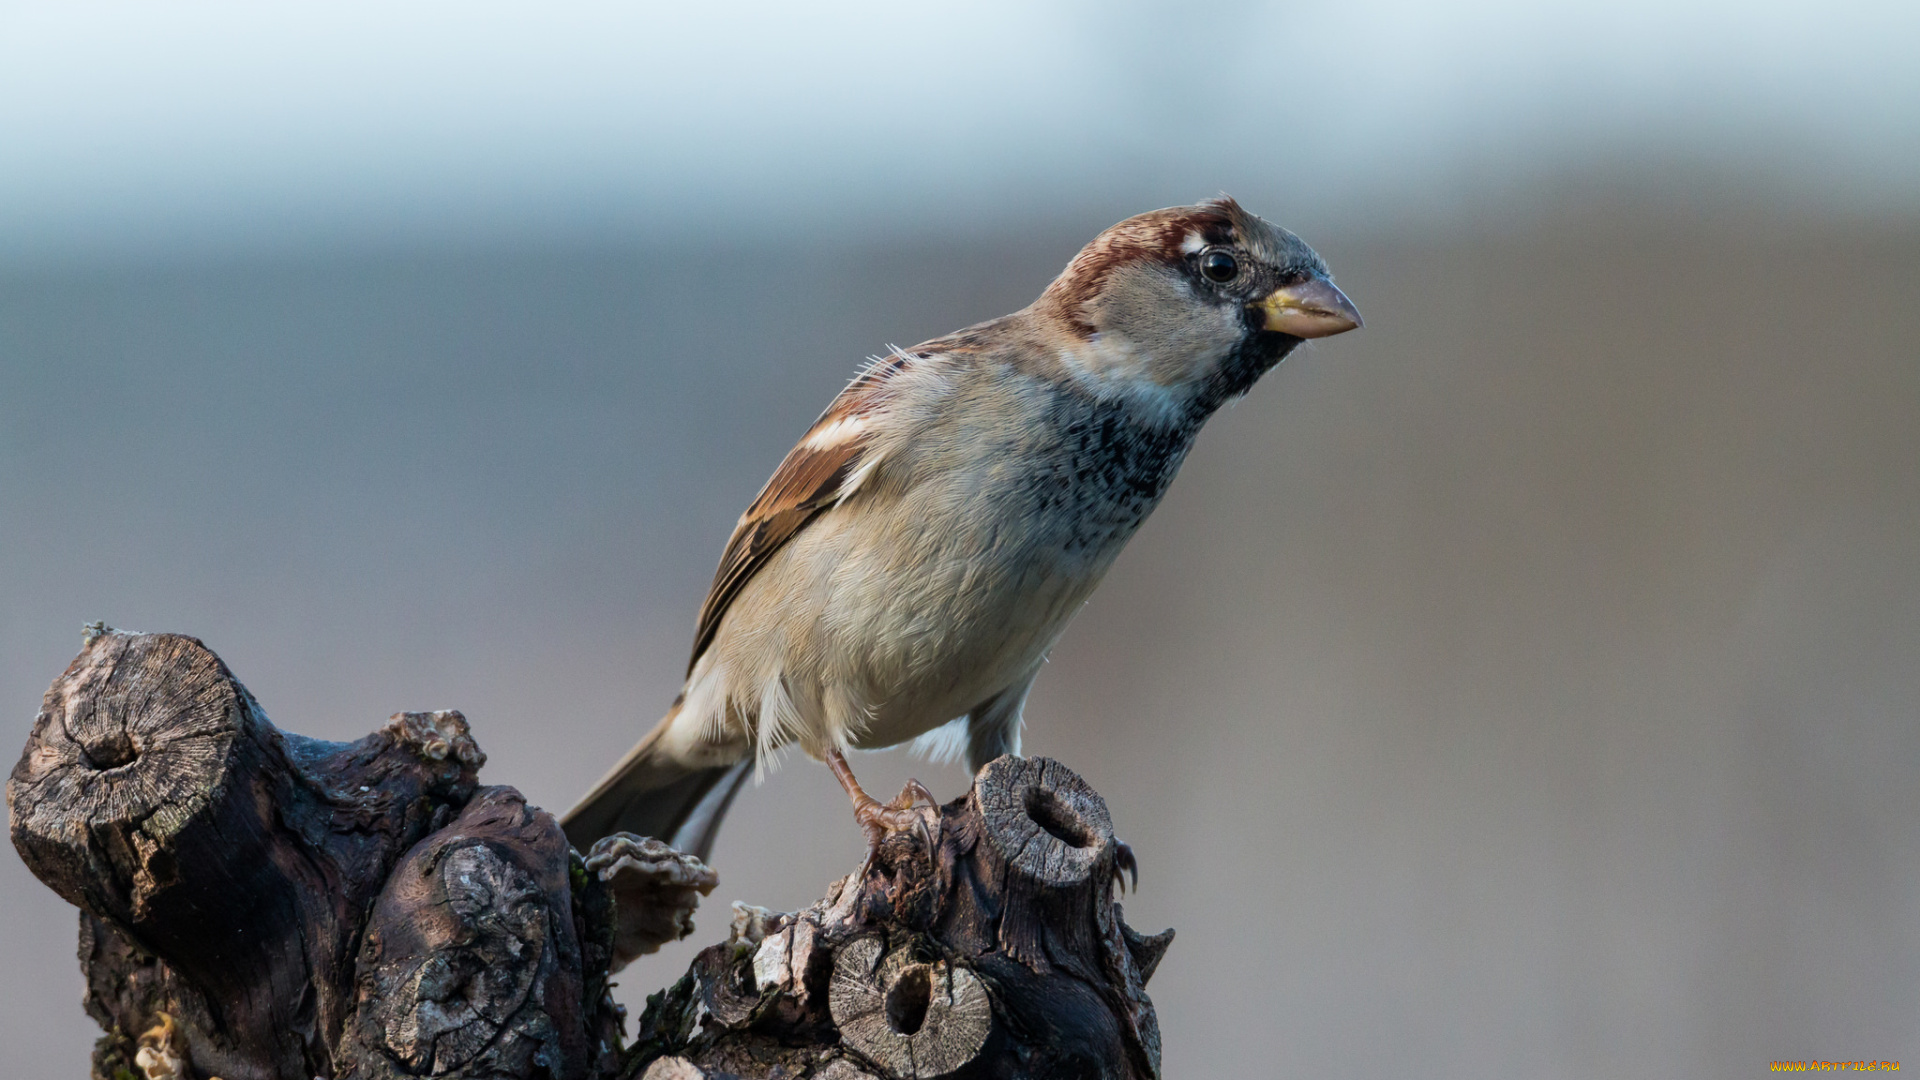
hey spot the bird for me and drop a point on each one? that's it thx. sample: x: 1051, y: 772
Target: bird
x: 905, y: 571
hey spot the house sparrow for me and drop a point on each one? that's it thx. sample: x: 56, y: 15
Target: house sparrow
x: 903, y: 574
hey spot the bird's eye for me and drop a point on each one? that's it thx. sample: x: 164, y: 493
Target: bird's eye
x: 1218, y: 266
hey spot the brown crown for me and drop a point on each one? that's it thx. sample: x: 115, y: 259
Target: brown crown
x: 1155, y: 236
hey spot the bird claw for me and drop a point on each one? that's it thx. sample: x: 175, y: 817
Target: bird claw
x: 914, y: 794
x: 877, y: 819
x: 1124, y: 864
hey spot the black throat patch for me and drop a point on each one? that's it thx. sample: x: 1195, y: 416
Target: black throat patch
x: 1256, y: 354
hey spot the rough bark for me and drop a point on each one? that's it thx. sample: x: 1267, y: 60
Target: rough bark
x: 155, y: 795
x: 981, y: 942
x: 255, y: 904
x: 227, y: 872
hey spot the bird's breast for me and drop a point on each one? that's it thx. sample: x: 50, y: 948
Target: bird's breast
x: 1106, y: 474
x: 983, y: 561
x: 947, y: 579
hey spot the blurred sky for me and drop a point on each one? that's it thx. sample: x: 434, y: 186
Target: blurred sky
x: 135, y: 128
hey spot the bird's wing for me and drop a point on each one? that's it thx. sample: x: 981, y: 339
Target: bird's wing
x: 831, y: 461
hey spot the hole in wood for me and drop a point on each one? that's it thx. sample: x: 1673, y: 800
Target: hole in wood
x: 1048, y: 812
x: 110, y: 752
x: 907, y: 1001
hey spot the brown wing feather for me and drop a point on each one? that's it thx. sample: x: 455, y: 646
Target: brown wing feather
x: 806, y: 484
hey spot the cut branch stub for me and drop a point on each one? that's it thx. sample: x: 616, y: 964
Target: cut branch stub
x: 144, y: 797
x: 1049, y: 826
x: 1047, y: 841
x: 155, y: 795
x: 915, y: 1019
x: 131, y: 754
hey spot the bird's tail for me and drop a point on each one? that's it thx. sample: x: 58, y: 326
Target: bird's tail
x: 650, y: 794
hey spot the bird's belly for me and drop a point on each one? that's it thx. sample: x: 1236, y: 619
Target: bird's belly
x: 920, y: 641
x: 916, y: 676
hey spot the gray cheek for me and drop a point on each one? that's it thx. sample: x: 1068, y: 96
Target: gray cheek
x: 1181, y: 328
x: 1188, y: 325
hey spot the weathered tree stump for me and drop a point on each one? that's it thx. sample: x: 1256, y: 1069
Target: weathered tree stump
x: 982, y: 943
x: 260, y: 906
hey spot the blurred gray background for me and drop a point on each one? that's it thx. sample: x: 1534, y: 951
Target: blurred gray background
x: 1523, y: 686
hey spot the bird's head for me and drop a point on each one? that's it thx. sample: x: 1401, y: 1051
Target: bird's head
x: 1192, y: 302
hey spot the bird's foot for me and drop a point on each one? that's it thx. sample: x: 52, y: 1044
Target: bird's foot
x: 876, y: 818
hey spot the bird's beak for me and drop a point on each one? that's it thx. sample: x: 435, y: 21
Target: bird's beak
x: 1313, y: 308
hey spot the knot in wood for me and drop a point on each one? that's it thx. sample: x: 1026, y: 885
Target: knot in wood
x: 467, y: 964
x: 439, y: 735
x: 914, y: 1018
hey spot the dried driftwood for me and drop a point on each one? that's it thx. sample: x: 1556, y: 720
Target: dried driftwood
x: 255, y: 904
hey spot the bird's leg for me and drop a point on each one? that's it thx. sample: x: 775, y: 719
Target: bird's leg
x: 874, y: 817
